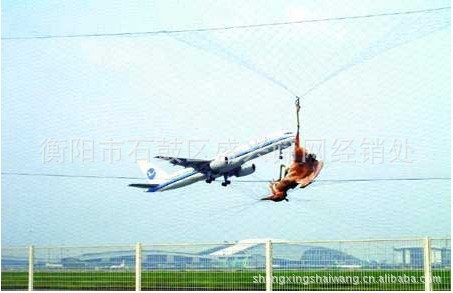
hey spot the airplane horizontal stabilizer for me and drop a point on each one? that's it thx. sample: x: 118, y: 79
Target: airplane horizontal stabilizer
x: 143, y: 185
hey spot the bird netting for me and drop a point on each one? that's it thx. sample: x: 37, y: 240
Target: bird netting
x: 375, y: 97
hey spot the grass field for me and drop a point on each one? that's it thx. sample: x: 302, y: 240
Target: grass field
x: 212, y: 280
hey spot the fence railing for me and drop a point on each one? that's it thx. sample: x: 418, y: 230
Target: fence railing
x: 402, y: 264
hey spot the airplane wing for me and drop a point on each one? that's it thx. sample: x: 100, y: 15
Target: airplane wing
x: 197, y: 164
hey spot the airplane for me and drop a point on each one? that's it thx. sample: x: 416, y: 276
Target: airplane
x: 228, y: 164
x: 54, y: 265
x: 117, y: 267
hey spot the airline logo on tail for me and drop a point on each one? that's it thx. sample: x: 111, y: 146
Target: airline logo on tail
x: 151, y: 173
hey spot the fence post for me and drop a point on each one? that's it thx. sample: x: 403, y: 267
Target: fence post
x: 31, y: 263
x: 427, y: 264
x: 138, y: 266
x: 268, y: 265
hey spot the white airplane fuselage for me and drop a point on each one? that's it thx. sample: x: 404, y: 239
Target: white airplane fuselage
x: 228, y: 164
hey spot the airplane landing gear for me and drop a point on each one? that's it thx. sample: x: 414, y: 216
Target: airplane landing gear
x: 226, y: 182
x: 280, y: 153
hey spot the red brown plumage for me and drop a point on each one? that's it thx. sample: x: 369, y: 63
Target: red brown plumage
x: 302, y: 171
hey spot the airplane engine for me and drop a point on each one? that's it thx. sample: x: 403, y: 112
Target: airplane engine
x: 246, y: 170
x: 219, y: 165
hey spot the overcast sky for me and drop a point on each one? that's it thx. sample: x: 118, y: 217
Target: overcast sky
x: 376, y: 105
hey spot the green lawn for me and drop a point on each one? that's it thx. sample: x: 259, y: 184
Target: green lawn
x: 213, y: 280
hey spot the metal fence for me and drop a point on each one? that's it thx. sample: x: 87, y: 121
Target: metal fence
x: 410, y: 264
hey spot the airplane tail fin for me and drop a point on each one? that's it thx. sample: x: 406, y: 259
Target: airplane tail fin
x: 154, y: 174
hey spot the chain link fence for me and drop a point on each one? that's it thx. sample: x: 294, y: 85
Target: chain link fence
x: 441, y: 263
x: 410, y: 264
x: 338, y: 265
x: 15, y: 268
x: 221, y: 266
x: 84, y: 268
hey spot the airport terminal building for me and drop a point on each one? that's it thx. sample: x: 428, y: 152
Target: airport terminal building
x: 242, y: 255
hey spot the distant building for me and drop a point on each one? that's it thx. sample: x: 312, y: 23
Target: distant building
x: 245, y: 254
x: 413, y: 256
x: 289, y: 255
